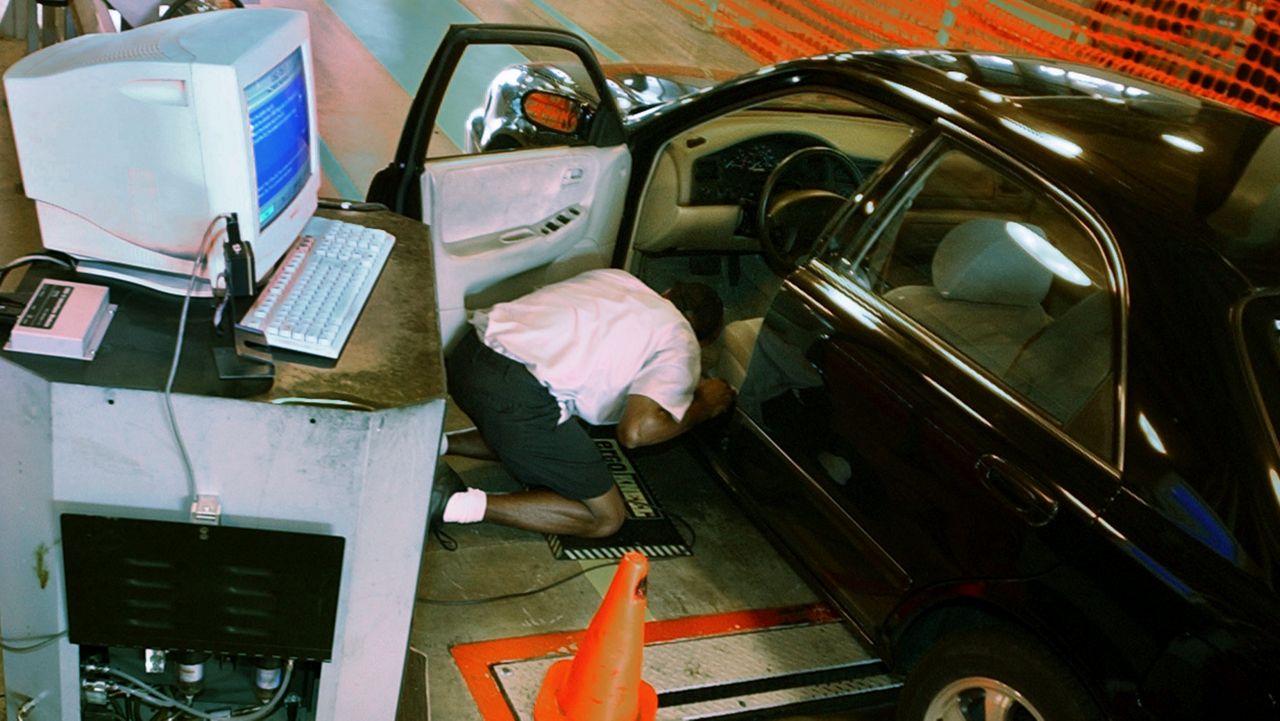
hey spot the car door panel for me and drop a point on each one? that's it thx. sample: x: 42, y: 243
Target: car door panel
x: 497, y: 218
x: 928, y: 435
x: 797, y: 509
x: 888, y: 415
x: 968, y: 484
x: 796, y: 476
x: 559, y: 212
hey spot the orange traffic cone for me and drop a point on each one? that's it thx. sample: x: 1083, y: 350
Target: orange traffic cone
x: 603, y: 682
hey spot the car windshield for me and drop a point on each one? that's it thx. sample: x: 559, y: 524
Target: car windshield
x: 825, y: 103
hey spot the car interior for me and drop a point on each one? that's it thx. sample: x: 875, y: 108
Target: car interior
x: 719, y: 189
x: 1000, y: 271
x: 704, y: 191
x: 991, y: 266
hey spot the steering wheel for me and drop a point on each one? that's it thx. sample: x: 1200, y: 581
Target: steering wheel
x: 791, y: 220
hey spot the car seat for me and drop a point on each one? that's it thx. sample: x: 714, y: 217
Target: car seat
x: 986, y: 292
x: 737, y: 341
x: 1064, y: 370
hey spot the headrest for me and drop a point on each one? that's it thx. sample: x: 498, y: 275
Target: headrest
x: 982, y: 262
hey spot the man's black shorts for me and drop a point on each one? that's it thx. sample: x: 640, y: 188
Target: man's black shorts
x: 518, y: 418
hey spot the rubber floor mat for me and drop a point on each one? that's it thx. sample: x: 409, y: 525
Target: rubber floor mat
x: 647, y: 529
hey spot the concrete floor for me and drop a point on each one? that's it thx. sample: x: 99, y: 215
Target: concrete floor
x: 370, y: 57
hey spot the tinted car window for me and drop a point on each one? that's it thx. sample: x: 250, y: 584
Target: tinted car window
x: 1001, y: 273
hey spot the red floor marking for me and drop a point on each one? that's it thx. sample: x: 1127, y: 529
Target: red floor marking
x: 475, y: 660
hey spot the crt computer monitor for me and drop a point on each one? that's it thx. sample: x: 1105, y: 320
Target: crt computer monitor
x: 131, y: 143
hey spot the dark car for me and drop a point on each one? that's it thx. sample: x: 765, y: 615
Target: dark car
x: 1006, y: 333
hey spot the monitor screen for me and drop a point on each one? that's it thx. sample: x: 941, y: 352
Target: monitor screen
x: 281, y: 136
x: 133, y: 145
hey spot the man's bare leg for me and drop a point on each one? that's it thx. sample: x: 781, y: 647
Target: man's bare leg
x: 545, y: 511
x: 539, y: 509
x: 471, y: 444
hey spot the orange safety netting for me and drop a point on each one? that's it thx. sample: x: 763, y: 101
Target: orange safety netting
x: 1226, y: 50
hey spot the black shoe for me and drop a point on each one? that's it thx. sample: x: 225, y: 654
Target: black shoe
x: 447, y: 482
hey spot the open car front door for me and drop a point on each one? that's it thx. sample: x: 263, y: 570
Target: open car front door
x: 505, y: 222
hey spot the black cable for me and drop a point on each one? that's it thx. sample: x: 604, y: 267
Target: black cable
x: 447, y: 542
x: 509, y: 596
x: 532, y: 591
x: 153, y: 697
x: 55, y: 257
x: 116, y: 712
x: 291, y: 704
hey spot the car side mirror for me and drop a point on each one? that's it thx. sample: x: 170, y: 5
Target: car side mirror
x: 550, y: 111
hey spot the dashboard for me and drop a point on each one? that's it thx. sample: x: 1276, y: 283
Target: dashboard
x: 704, y: 191
x: 736, y: 174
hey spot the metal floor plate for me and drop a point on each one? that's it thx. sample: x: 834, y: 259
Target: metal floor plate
x: 788, y: 667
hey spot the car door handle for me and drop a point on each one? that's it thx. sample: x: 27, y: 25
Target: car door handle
x: 1017, y: 489
x: 516, y: 236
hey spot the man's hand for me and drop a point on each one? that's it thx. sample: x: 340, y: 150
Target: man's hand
x: 644, y: 422
x: 715, y: 394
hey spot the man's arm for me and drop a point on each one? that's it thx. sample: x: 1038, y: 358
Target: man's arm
x: 644, y: 422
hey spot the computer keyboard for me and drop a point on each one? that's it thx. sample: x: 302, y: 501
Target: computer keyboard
x: 314, y: 297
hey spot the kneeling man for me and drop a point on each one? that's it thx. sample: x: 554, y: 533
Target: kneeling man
x: 602, y: 347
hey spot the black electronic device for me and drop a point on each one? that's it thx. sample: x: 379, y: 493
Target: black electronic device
x: 12, y: 305
x: 160, y: 584
x: 232, y: 355
x: 241, y: 270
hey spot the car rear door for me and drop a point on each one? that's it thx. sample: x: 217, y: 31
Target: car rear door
x: 898, y: 454
x: 503, y: 223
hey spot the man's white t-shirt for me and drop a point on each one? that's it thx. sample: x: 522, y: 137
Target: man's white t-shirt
x: 596, y: 338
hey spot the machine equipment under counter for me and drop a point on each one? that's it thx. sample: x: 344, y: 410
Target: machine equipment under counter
x: 332, y: 456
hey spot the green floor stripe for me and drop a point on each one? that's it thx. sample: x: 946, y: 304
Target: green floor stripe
x: 337, y: 176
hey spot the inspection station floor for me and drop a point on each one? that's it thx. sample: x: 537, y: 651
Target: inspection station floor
x: 729, y: 612
x: 723, y: 613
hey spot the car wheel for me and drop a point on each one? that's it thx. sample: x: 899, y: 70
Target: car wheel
x: 993, y: 674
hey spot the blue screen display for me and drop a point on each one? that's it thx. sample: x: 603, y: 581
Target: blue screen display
x: 281, y: 135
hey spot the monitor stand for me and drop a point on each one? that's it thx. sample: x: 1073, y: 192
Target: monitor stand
x: 234, y: 357
x: 236, y: 360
